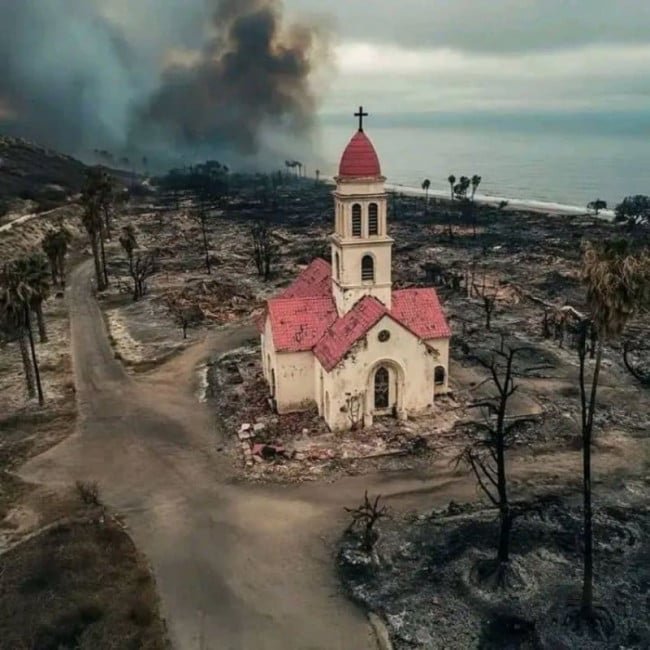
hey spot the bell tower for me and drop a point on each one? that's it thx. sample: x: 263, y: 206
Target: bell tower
x: 361, y: 247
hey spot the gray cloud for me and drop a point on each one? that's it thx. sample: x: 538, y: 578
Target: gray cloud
x: 490, y: 25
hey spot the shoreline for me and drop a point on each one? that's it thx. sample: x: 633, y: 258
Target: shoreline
x: 529, y: 205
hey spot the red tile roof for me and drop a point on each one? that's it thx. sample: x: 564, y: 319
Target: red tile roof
x: 347, y: 330
x: 314, y: 281
x: 299, y: 323
x: 419, y: 310
x: 359, y: 159
x: 304, y: 316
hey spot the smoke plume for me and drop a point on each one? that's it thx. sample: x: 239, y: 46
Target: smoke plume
x: 153, y: 80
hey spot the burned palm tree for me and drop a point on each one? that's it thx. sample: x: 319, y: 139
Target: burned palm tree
x: 617, y: 279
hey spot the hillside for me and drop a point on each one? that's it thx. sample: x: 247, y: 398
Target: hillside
x: 31, y: 172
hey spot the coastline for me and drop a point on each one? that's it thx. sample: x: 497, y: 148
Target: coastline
x: 528, y: 205
x: 544, y: 207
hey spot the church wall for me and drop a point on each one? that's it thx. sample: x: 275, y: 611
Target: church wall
x: 442, y: 347
x: 353, y: 378
x: 294, y: 381
x: 268, y: 351
x: 346, y: 187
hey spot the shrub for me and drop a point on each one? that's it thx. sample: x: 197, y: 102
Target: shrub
x: 88, y: 493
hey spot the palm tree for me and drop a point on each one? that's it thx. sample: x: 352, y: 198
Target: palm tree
x: 426, y: 184
x: 618, y: 285
x: 63, y: 238
x: 12, y: 320
x: 129, y: 241
x: 597, y: 206
x: 92, y: 222
x: 460, y: 190
x: 452, y: 181
x: 49, y: 246
x: 36, y: 275
x: 16, y: 301
x: 476, y: 181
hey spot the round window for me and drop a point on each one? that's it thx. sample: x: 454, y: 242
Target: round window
x: 384, y: 335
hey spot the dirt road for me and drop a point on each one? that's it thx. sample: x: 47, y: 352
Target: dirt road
x: 238, y: 567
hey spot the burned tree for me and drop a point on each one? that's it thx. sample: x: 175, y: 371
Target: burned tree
x: 141, y: 267
x: 617, y: 278
x: 184, y: 313
x: 201, y: 218
x: 489, y: 305
x: 264, y: 249
x: 486, y: 454
x: 364, y: 519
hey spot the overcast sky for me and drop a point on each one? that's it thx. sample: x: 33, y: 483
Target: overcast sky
x: 474, y: 55
x: 450, y: 55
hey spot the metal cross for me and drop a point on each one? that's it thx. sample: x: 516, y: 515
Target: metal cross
x: 361, y: 115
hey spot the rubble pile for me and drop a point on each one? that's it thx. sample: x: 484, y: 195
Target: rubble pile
x: 299, y: 446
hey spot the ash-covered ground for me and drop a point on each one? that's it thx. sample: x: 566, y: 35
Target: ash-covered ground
x: 422, y: 578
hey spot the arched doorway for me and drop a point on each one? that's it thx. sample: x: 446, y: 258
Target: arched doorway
x: 385, y: 391
x: 439, y: 376
x: 273, y: 382
x: 382, y: 389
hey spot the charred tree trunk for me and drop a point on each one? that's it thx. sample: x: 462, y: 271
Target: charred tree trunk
x: 107, y: 223
x: 98, y: 266
x: 104, y: 270
x: 206, y: 249
x: 37, y: 372
x: 588, y: 410
x: 504, y: 535
x: 40, y: 319
x: 28, y: 368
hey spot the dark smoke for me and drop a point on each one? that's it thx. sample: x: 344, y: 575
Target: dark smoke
x: 75, y: 78
x: 249, y: 76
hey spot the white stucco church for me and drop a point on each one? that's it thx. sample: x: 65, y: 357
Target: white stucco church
x: 339, y: 336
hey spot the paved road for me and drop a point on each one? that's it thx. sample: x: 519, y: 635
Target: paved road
x: 238, y: 567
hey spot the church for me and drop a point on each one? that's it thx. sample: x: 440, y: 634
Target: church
x: 339, y: 336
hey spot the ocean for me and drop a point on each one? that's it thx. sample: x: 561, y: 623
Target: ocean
x: 563, y: 160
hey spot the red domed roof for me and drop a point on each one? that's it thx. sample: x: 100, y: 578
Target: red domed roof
x: 359, y: 159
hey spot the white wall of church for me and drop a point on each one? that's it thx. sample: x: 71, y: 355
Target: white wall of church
x: 409, y: 361
x: 295, y: 381
x: 441, y: 346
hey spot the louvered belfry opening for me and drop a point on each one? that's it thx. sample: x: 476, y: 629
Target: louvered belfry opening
x: 367, y: 269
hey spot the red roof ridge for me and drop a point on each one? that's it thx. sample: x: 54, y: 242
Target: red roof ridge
x: 345, y: 331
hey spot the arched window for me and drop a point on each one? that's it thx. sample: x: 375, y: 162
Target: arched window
x: 373, y: 219
x: 273, y: 382
x: 439, y: 376
x: 382, y: 388
x: 367, y: 269
x: 337, y: 260
x: 356, y: 220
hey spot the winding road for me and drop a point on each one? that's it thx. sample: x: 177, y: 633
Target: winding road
x: 238, y: 567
